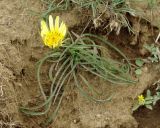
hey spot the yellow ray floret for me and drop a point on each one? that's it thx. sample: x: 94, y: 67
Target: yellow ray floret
x: 141, y: 100
x: 53, y: 34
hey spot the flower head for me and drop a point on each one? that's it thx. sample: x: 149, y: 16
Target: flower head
x: 141, y: 100
x: 53, y: 34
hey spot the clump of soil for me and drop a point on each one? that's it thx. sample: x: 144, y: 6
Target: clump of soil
x: 148, y: 118
x: 21, y: 48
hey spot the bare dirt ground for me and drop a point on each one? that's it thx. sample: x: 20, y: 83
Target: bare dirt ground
x: 21, y: 47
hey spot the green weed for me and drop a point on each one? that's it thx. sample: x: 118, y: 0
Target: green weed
x: 149, y: 101
x: 117, y: 9
x: 152, y: 3
x: 78, y: 54
x: 154, y: 51
x: 139, y: 63
x: 54, y: 5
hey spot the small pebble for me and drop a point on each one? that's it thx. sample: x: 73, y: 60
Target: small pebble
x: 75, y: 121
x: 98, y: 115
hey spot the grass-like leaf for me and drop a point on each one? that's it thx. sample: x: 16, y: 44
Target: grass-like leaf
x: 81, y: 53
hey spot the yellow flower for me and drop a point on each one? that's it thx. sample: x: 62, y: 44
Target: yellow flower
x: 141, y: 100
x: 53, y: 34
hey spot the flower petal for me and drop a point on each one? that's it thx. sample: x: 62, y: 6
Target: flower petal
x: 42, y: 34
x: 44, y: 28
x: 51, y: 26
x: 57, y: 23
x: 63, y: 29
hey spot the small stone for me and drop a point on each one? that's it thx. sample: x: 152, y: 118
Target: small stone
x: 143, y: 51
x: 75, y: 121
x: 145, y: 69
x: 107, y: 118
x: 98, y: 115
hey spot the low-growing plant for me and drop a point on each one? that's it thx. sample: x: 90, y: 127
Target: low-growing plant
x: 139, y: 63
x: 155, y: 53
x: 91, y: 4
x: 148, y: 101
x: 70, y: 58
x: 65, y: 4
x: 154, y: 57
x: 152, y: 3
x: 117, y: 9
x: 55, y: 5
